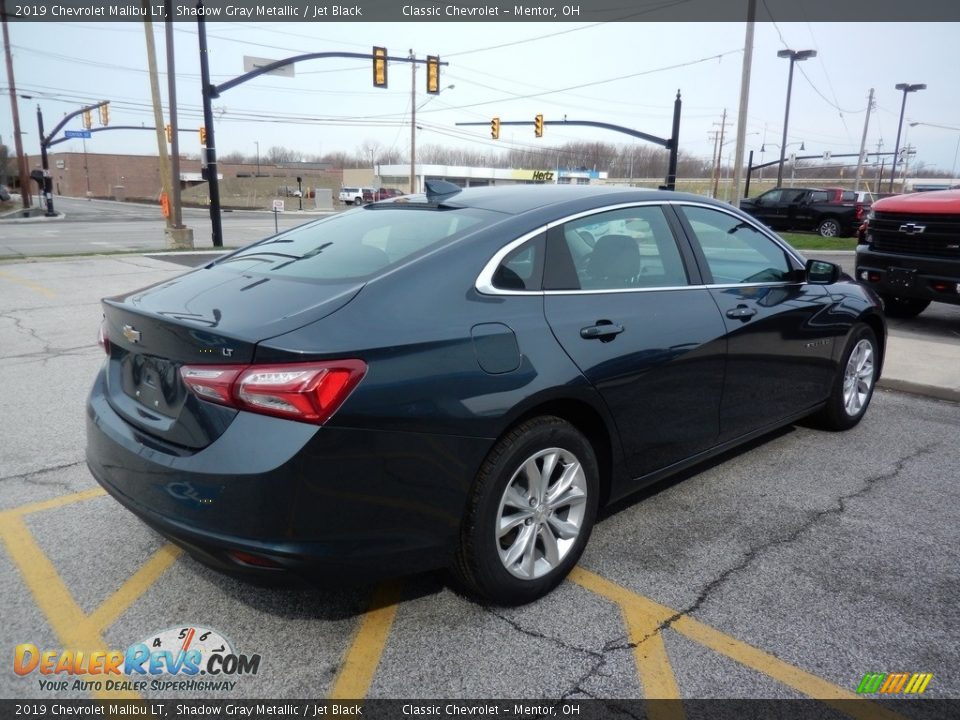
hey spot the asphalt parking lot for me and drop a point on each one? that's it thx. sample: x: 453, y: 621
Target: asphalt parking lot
x: 788, y: 569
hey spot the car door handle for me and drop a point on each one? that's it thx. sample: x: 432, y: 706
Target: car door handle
x: 741, y: 312
x: 604, y: 331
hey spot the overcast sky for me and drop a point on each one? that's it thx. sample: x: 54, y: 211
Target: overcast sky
x: 622, y: 73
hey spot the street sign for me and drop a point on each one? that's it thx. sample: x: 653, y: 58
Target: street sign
x: 77, y: 133
x: 252, y: 63
x: 278, y: 205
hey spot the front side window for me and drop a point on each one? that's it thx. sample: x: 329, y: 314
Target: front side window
x: 623, y: 249
x: 354, y: 245
x: 735, y: 251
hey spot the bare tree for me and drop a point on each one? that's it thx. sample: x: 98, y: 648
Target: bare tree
x: 279, y: 154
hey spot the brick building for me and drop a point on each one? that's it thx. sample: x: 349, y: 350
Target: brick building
x: 138, y: 176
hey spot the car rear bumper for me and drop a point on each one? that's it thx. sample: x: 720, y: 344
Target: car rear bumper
x: 909, y: 276
x: 354, y: 503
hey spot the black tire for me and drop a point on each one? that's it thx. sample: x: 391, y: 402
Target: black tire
x: 829, y: 227
x: 841, y: 411
x: 903, y: 307
x: 481, y: 564
x: 358, y: 201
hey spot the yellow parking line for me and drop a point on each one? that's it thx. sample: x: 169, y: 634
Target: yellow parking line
x: 363, y: 656
x: 115, y: 605
x: 754, y: 658
x: 54, y: 503
x: 774, y: 667
x: 51, y: 595
x: 650, y: 653
x: 28, y: 284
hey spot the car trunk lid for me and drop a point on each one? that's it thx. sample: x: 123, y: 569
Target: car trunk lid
x: 210, y: 316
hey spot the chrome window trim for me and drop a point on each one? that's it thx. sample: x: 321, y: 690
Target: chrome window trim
x: 484, y: 283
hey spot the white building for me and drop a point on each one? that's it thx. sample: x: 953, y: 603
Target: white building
x: 398, y: 176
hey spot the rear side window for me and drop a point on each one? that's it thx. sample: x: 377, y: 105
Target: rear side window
x: 356, y: 244
x: 522, y: 269
x: 849, y: 196
x: 623, y: 249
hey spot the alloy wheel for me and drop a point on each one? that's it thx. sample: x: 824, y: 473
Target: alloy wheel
x: 858, y: 378
x: 541, y: 513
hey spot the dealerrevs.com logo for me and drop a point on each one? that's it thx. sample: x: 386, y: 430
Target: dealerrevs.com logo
x: 894, y: 683
x: 184, y: 653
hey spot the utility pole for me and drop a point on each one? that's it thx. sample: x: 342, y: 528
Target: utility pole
x: 413, y: 124
x: 17, y: 138
x: 863, y: 142
x: 716, y: 175
x: 880, y: 172
x: 157, y: 111
x: 179, y: 236
x: 744, y: 101
x: 713, y: 158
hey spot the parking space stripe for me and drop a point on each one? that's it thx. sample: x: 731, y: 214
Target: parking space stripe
x: 366, y: 647
x: 28, y: 284
x: 747, y: 655
x: 653, y: 664
x: 774, y: 667
x: 72, y: 627
x: 54, y: 502
x: 114, y: 606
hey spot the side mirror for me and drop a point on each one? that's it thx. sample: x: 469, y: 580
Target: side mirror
x: 821, y: 272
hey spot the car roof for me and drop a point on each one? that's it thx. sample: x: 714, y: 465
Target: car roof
x: 518, y: 199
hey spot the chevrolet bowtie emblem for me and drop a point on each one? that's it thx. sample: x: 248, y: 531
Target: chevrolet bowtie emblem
x: 912, y: 228
x: 131, y: 334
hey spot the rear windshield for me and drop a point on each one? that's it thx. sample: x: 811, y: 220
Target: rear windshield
x: 355, y: 244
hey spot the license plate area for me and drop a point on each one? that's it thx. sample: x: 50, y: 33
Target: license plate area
x: 152, y: 382
x: 902, y: 278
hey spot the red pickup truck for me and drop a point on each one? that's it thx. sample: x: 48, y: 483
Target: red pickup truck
x: 909, y: 251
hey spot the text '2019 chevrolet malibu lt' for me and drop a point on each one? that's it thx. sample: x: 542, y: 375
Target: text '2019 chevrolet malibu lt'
x: 462, y: 378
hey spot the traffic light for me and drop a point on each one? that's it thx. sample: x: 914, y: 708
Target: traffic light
x: 169, y: 129
x: 104, y: 115
x: 203, y: 135
x: 379, y: 67
x: 538, y: 126
x: 433, y: 74
x: 87, y: 119
x: 495, y: 128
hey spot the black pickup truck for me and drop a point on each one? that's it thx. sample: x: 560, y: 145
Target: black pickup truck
x: 830, y: 212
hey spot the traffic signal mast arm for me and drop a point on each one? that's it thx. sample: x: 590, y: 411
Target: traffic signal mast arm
x: 48, y: 140
x: 215, y: 90
x: 120, y: 127
x: 663, y: 142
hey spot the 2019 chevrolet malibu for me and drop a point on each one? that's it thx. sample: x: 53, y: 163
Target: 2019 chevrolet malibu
x: 462, y: 378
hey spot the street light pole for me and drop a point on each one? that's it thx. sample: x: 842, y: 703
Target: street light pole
x: 906, y: 88
x: 413, y: 124
x: 795, y: 56
x: 257, y: 143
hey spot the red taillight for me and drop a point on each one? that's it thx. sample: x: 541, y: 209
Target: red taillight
x: 858, y: 212
x: 103, y: 340
x: 309, y: 392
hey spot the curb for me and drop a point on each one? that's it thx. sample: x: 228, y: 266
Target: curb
x: 922, y: 389
x: 39, y: 219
